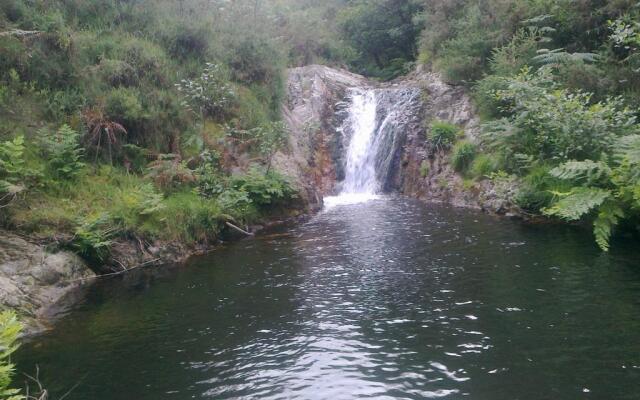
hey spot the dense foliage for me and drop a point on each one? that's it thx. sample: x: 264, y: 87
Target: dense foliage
x: 558, y: 85
x: 117, y: 118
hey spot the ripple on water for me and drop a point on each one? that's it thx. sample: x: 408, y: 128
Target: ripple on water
x: 388, y: 299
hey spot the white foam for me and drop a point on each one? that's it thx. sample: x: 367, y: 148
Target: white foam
x: 349, y: 198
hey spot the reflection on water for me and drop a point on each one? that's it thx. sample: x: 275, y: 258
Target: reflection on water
x: 385, y: 299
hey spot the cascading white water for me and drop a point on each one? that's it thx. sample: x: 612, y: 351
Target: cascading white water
x: 360, y: 183
x: 374, y: 128
x: 360, y: 172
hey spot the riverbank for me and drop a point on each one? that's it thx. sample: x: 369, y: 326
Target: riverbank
x: 40, y: 281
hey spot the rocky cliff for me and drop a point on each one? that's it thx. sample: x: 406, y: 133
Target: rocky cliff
x: 317, y: 97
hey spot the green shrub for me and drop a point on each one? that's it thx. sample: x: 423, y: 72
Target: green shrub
x: 187, y: 42
x: 255, y: 60
x: 269, y: 189
x: 62, y: 103
x: 10, y: 329
x: 123, y: 105
x: 460, y: 57
x: 209, y: 95
x: 462, y: 155
x: 549, y: 124
x: 485, y: 94
x: 483, y: 165
x: 443, y: 134
x: 238, y: 204
x: 146, y: 58
x: 509, y: 59
x: 117, y: 73
x: 208, y: 175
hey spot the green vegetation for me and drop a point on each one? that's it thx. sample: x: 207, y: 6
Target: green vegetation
x: 424, y: 169
x: 462, y: 155
x: 124, y: 120
x: 383, y: 35
x: 558, y: 87
x: 9, y: 331
x: 442, y: 134
x: 153, y: 100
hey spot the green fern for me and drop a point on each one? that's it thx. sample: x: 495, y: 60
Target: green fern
x: 608, y: 217
x: 582, y: 171
x: 628, y: 148
x: 577, y: 203
x: 10, y: 329
x: 557, y: 57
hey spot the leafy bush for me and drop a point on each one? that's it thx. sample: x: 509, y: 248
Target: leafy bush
x: 123, y: 105
x: 237, y: 204
x: 509, y: 59
x: 64, y: 154
x: 460, y: 57
x: 118, y: 73
x: 264, y: 189
x: 255, y: 60
x: 607, y: 193
x: 551, y: 124
x: 443, y: 134
x: 208, y: 180
x: 10, y: 329
x: 169, y: 172
x: 211, y: 94
x: 270, y: 138
x: 187, y: 42
x: 462, y: 155
x: 383, y: 34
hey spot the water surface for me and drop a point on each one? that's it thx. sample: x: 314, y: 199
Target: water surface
x: 388, y: 299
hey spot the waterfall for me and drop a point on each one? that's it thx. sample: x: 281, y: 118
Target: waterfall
x: 360, y: 172
x: 374, y: 128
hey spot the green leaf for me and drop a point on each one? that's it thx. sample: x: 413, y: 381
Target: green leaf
x: 579, y: 202
x: 587, y: 170
x: 608, y: 217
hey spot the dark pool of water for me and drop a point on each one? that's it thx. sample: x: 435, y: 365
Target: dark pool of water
x: 389, y: 299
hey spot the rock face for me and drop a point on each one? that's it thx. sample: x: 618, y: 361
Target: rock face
x: 426, y: 172
x: 315, y: 98
x: 33, y: 280
x: 315, y: 109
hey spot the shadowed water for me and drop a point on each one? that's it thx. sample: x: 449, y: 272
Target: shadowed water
x: 387, y: 299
